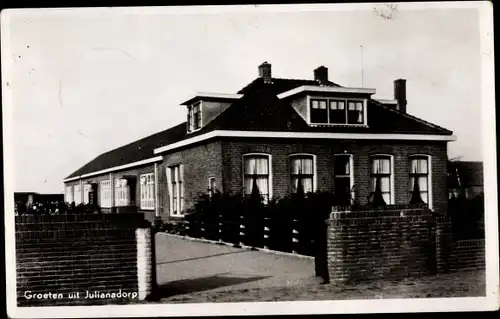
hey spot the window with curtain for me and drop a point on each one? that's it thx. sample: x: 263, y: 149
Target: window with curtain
x: 122, y: 194
x: 337, y: 111
x: 78, y: 195
x: 256, y: 167
x: 147, y: 187
x: 302, y: 168
x: 105, y: 193
x: 381, y: 168
x: 343, y: 175
x: 86, y: 190
x: 177, y: 190
x: 355, y: 112
x: 419, y: 169
x: 212, y: 186
x: 69, y: 194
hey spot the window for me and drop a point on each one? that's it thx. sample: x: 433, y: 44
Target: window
x: 319, y: 113
x: 212, y: 186
x: 147, y: 191
x: 105, y: 193
x: 355, y: 112
x: 256, y: 171
x: 382, y: 169
x: 78, y: 194
x: 194, y: 117
x: 69, y: 194
x: 343, y: 176
x: 302, y: 169
x: 176, y: 188
x: 339, y: 111
x: 420, y: 171
x: 122, y: 193
x: 87, y: 188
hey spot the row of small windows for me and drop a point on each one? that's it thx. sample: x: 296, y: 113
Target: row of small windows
x: 257, y: 173
x: 122, y: 193
x: 337, y: 111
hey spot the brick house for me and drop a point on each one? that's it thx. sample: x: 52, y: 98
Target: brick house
x: 337, y: 138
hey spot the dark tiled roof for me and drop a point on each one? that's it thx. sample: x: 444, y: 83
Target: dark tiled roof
x: 133, y: 152
x: 470, y: 173
x: 260, y: 110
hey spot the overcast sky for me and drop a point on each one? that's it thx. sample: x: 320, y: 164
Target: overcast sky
x: 85, y: 82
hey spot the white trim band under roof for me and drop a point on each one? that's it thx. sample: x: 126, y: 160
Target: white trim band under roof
x: 386, y: 101
x: 117, y: 168
x: 309, y: 135
x: 213, y: 95
x: 325, y: 89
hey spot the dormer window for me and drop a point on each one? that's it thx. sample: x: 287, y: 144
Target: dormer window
x: 194, y: 117
x: 337, y: 111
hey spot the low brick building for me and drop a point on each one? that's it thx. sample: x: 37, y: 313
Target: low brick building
x: 274, y: 130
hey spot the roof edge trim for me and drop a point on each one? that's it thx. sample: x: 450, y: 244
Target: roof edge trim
x: 116, y: 168
x: 201, y: 95
x: 325, y: 89
x: 317, y: 135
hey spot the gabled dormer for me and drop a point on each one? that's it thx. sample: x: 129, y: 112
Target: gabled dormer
x: 202, y: 108
x: 329, y: 105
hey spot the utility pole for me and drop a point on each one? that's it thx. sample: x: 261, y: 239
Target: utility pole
x: 361, y: 46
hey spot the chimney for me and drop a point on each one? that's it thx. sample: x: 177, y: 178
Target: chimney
x: 265, y: 72
x: 321, y: 75
x: 400, y: 94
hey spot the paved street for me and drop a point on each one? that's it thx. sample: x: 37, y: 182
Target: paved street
x: 185, y: 266
x: 190, y: 271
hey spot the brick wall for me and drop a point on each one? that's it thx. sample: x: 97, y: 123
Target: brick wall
x: 223, y: 160
x: 234, y: 149
x: 69, y: 254
x: 379, y: 245
x: 453, y: 255
x: 467, y: 254
x: 200, y: 163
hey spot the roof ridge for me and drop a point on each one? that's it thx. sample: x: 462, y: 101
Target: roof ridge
x: 281, y: 79
x: 411, y: 117
x: 311, y: 80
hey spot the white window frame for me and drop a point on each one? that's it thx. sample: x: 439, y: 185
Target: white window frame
x: 77, y: 194
x: 315, y: 175
x: 210, y: 190
x: 122, y: 192
x: 147, y: 188
x: 105, y: 193
x: 346, y: 100
x: 429, y: 176
x: 69, y: 194
x: 87, y: 188
x: 191, y: 123
x: 391, y: 157
x: 351, y: 173
x: 270, y: 163
x: 179, y: 210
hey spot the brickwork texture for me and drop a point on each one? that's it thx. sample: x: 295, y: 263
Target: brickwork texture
x: 393, y: 244
x: 83, y: 257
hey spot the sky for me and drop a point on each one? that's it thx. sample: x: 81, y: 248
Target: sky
x: 84, y: 82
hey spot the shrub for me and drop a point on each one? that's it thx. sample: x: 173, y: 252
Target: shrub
x: 224, y: 216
